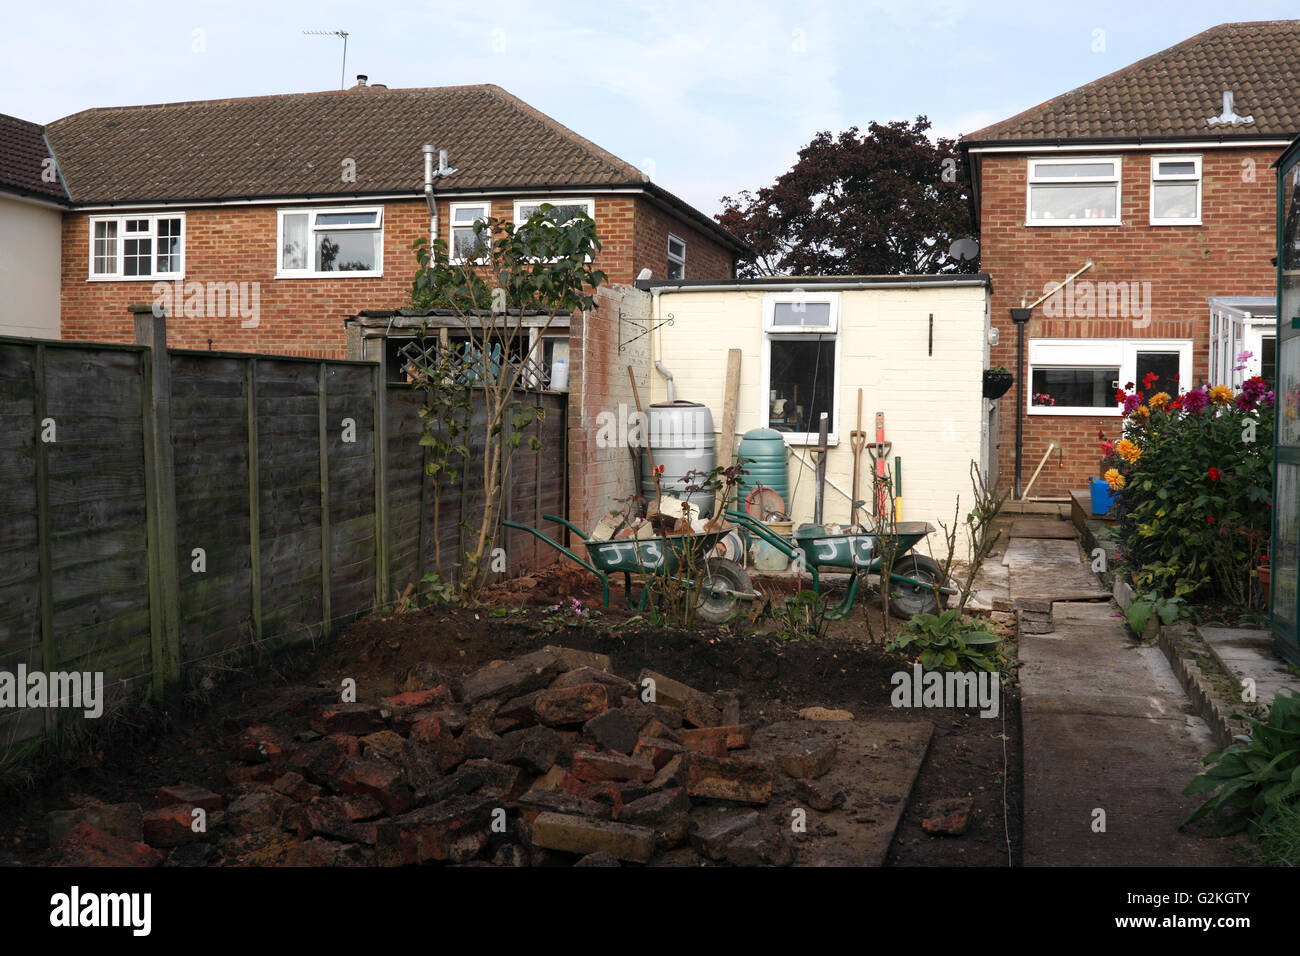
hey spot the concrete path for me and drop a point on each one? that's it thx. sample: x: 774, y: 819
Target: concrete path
x: 1248, y: 654
x: 1106, y: 727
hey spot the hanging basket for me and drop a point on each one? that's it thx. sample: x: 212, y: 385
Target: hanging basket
x: 996, y: 383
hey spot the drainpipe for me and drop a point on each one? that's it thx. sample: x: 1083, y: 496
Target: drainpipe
x: 1021, y: 318
x: 428, y: 195
x: 668, y: 376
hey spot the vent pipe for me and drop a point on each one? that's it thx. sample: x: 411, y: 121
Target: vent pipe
x: 427, y: 149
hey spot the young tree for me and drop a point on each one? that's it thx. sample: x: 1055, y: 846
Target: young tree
x: 885, y: 203
x: 542, y: 266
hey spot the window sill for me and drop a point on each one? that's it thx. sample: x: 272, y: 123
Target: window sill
x: 329, y: 275
x: 1175, y: 222
x: 1073, y: 222
x: 1048, y: 410
x: 157, y: 278
x: 801, y: 440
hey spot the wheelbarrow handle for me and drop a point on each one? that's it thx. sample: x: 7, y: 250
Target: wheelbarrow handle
x: 604, y: 579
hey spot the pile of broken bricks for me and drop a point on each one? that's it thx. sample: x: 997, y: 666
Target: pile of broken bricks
x: 546, y: 759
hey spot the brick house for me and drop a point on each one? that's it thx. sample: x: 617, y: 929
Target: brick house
x: 1158, y: 175
x: 302, y: 208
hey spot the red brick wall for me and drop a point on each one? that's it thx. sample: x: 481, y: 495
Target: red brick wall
x: 706, y: 258
x: 1225, y: 256
x: 305, y: 316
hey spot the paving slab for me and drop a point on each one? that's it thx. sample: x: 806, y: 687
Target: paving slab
x: 1042, y: 528
x: 876, y: 764
x: 1051, y: 569
x: 1106, y: 727
x: 1248, y: 652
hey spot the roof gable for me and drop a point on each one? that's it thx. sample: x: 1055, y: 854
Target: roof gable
x: 1174, y: 92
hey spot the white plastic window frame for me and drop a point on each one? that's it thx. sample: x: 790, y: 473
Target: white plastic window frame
x: 1032, y: 180
x: 1159, y: 177
x: 312, y: 212
x: 1101, y: 353
x: 152, y: 235
x: 793, y: 333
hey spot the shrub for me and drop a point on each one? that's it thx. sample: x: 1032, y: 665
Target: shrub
x: 1258, y: 778
x: 947, y: 641
x: 1193, y: 480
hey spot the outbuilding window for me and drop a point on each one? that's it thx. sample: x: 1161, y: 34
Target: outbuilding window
x: 801, y: 352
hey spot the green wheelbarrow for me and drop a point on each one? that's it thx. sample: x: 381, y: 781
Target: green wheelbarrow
x: 916, y: 582
x: 723, y: 584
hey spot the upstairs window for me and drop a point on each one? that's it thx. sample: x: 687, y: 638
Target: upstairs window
x: 1175, y: 190
x: 1074, y: 192
x: 326, y: 242
x: 465, y: 244
x: 676, y: 258
x: 137, y: 247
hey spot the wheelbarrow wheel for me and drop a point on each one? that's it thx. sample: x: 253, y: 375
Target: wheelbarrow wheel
x: 905, y: 600
x: 716, y: 604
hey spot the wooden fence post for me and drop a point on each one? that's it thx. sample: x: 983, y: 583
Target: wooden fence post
x: 160, y: 494
x: 322, y: 406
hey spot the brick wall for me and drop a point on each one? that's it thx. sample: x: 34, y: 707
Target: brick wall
x: 706, y: 258
x: 305, y: 316
x: 1228, y: 255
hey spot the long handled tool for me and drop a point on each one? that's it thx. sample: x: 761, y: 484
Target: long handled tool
x: 857, y: 442
x: 822, y: 435
x: 879, y: 451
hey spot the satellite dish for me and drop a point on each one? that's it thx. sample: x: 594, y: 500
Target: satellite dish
x: 964, y: 249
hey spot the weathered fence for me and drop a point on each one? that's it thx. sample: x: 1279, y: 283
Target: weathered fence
x: 163, y: 509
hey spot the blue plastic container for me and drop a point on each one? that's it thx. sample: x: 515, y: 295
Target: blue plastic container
x: 1102, y: 497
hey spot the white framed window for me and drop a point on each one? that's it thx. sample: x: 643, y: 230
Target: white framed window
x: 1081, y: 376
x: 1175, y: 190
x: 137, y: 247
x: 1074, y: 191
x: 676, y: 257
x: 330, y: 241
x: 801, y: 361
x: 563, y: 210
x: 464, y: 243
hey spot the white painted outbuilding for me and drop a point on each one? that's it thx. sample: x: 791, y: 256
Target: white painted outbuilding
x: 917, y: 347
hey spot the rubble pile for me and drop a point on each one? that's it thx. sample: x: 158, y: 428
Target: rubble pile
x: 546, y: 759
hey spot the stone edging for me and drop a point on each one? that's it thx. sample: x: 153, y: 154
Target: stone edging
x: 1178, y: 642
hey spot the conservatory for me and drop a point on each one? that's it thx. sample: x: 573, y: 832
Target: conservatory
x: 1286, y: 457
x: 1243, y: 339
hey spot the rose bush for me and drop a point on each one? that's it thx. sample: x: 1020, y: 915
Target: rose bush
x: 1193, y: 481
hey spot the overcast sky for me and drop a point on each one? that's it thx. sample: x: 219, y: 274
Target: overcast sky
x: 709, y: 97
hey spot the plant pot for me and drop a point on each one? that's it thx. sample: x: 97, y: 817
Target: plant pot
x: 1102, y: 497
x: 996, y: 383
x: 1263, y: 572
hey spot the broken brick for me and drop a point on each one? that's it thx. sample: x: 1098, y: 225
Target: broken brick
x: 696, y: 706
x: 657, y: 751
x: 169, y: 826
x: 808, y: 759
x: 573, y: 658
x: 507, y: 679
x: 534, y: 802
x: 258, y: 810
x: 738, y: 735
x: 379, y: 778
x: 533, y: 749
x: 439, y: 696
x: 118, y: 819
x: 656, y: 808
x: 617, y: 687
x: 947, y: 817
x: 190, y: 796
x: 264, y: 744
x: 657, y: 728
x: 320, y: 852
x: 760, y: 846
x: 712, y: 836
x: 571, y: 705
x: 819, y: 794
x: 706, y: 740
x: 593, y: 767
x: 257, y: 773
x: 743, y: 780
x: 615, y: 729
x: 88, y: 845
x: 558, y: 831
x: 455, y: 831
x: 670, y: 773
x: 354, y: 719
x: 600, y: 858
x: 500, y: 781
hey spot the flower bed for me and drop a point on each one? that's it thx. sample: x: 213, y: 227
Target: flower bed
x: 1193, y: 483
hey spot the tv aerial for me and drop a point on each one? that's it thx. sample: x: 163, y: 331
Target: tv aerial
x: 335, y: 33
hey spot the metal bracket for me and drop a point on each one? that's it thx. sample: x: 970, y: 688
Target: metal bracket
x: 644, y: 329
